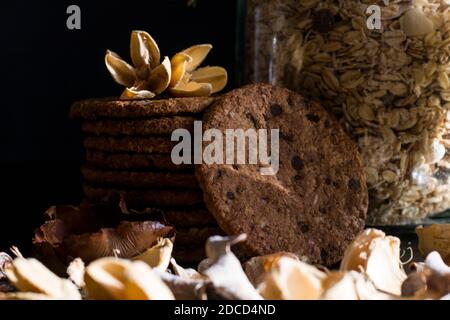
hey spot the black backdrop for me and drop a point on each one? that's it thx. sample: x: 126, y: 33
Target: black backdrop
x: 45, y: 67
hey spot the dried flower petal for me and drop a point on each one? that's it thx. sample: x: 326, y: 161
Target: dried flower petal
x: 121, y: 71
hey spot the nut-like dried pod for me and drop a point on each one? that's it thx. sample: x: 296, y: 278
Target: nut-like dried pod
x: 29, y: 275
x: 188, y: 81
x: 24, y: 296
x: 414, y: 23
x: 144, y: 50
x: 76, y: 270
x: 133, y: 94
x: 121, y: 71
x: 159, y: 78
x: 351, y: 285
x: 257, y: 267
x: 225, y: 271
x: 198, y: 54
x: 142, y: 283
x: 192, y: 89
x: 5, y: 261
x: 179, y: 63
x: 216, y: 76
x: 378, y: 256
x: 158, y: 256
x: 291, y: 279
x: 435, y: 238
x: 118, y: 279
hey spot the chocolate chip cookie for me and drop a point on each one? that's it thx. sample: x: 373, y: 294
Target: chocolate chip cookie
x: 314, y: 205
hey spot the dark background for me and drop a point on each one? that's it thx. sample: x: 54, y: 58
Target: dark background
x: 45, y: 67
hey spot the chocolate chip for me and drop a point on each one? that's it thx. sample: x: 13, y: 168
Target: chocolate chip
x: 323, y: 210
x: 336, y: 184
x: 218, y: 175
x: 353, y: 184
x: 297, y: 163
x: 252, y: 119
x: 304, y: 228
x: 230, y: 195
x: 276, y: 110
x: 328, y: 180
x: 313, y: 117
x: 323, y: 21
x: 323, y: 255
x: 286, y: 137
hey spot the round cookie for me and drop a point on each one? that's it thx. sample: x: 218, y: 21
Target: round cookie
x: 314, y: 205
x: 113, y: 108
x: 130, y: 144
x: 195, y: 235
x: 137, y: 127
x: 145, y: 198
x: 125, y: 161
x: 127, y: 179
x: 188, y: 218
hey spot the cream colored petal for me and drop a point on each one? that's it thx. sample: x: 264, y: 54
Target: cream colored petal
x: 159, y: 78
x: 158, y: 256
x: 76, y: 270
x: 140, y: 56
x: 142, y: 283
x: 104, y: 278
x: 179, y: 63
x: 144, y: 50
x: 132, y: 94
x: 121, y: 71
x: 291, y: 279
x: 30, y: 275
x: 192, y: 89
x: 198, y: 54
x: 216, y: 76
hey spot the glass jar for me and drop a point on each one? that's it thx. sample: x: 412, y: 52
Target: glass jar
x: 382, y: 68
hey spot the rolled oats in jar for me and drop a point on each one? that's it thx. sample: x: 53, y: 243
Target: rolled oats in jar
x: 383, y: 69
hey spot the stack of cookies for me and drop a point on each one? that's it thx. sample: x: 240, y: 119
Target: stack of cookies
x: 128, y: 156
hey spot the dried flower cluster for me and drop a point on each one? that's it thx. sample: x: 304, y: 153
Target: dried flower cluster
x: 371, y: 269
x: 149, y: 77
x: 390, y: 88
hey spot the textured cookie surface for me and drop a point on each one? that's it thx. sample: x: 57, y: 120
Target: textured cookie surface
x: 145, y: 198
x: 134, y: 161
x: 130, y: 179
x: 316, y: 203
x: 113, y: 108
x: 139, y: 127
x: 130, y: 144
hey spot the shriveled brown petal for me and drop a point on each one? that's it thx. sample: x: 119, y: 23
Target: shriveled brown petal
x: 121, y: 71
x: 90, y: 232
x: 127, y: 240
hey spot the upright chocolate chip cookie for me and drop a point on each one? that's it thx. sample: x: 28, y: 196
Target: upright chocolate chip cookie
x: 316, y: 202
